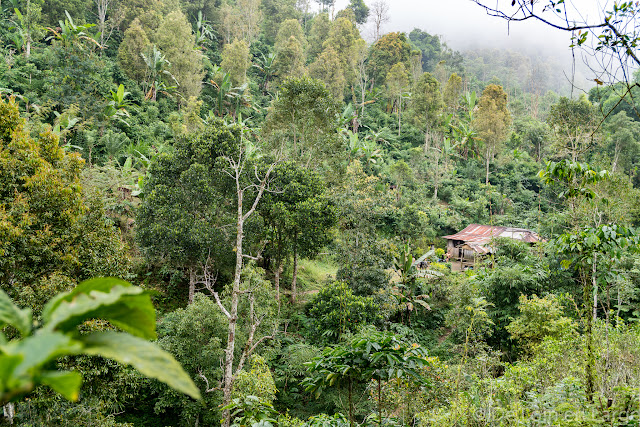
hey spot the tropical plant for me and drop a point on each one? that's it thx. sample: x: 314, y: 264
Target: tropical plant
x: 26, y: 361
x: 71, y: 34
x: 118, y: 104
x: 157, y: 74
x: 251, y: 411
x: 204, y: 32
x: 378, y: 356
x: 406, y: 292
x: 228, y: 99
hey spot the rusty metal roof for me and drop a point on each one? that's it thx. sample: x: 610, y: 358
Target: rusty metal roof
x: 476, y: 234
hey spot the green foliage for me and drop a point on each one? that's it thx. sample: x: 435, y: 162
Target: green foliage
x: 235, y: 61
x: 426, y: 101
x: 178, y: 217
x: 251, y: 411
x: 174, y: 39
x: 371, y: 356
x: 257, y: 381
x: 25, y: 360
x: 539, y: 318
x: 336, y: 311
x: 133, y: 45
x: 573, y: 123
x: 305, y: 113
x: 360, y: 10
x: 50, y: 234
x: 195, y: 336
x: 299, y: 215
x: 390, y: 50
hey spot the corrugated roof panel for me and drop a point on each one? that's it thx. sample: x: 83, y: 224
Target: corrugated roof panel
x: 479, y: 236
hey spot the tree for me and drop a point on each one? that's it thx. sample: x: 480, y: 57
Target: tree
x: 305, y: 113
x: 27, y: 26
x: 212, y: 179
x: 375, y: 356
x: 250, y: 19
x: 180, y: 218
x: 299, y: 216
x: 429, y: 45
x: 328, y: 68
x: 623, y: 136
x: 426, y: 104
x: 363, y: 203
x: 452, y: 91
x: 149, y: 12
x: 275, y: 12
x: 133, y: 45
x: 175, y: 39
x: 492, y: 122
x: 26, y: 360
x: 573, y: 123
x: 290, y: 50
x: 592, y: 251
x: 50, y: 235
x: 320, y: 27
x: 397, y: 83
x: 107, y: 20
x: 380, y: 14
x: 387, y: 52
x: 52, y: 11
x: 236, y: 61
x: 326, y: 4
x: 290, y: 28
x: 344, y: 39
x: 252, y: 183
x: 360, y: 10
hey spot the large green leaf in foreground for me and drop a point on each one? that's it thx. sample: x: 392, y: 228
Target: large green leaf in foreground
x: 145, y: 356
x: 25, y: 362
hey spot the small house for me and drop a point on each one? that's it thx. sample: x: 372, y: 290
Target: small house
x: 466, y: 246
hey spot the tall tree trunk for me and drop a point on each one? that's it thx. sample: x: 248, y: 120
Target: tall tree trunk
x: 277, y: 279
x: 9, y: 412
x: 589, y: 351
x: 399, y: 113
x: 594, y: 284
x: 486, y: 181
x: 233, y: 313
x: 379, y: 404
x: 294, y: 280
x: 192, y: 284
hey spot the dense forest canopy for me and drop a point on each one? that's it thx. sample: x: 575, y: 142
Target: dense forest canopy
x: 278, y: 186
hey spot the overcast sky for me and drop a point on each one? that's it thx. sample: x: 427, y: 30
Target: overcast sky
x: 464, y: 25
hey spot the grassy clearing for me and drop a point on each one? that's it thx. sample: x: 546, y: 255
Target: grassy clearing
x: 312, y: 274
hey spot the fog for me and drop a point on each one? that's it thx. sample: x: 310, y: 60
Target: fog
x: 465, y: 26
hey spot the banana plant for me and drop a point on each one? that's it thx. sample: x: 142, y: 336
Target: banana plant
x: 410, y: 279
x: 117, y: 106
x: 63, y: 126
x: 27, y: 361
x: 229, y: 99
x: 157, y: 73
x: 69, y: 33
x: 365, y: 149
x: 265, y: 64
x: 203, y: 31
